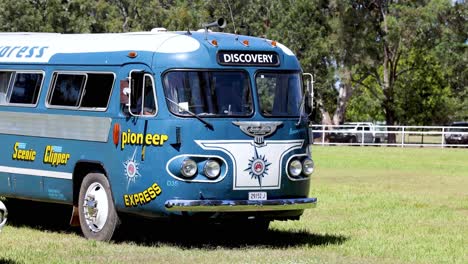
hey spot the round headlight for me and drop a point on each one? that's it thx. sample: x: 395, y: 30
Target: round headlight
x: 211, y: 169
x: 295, y: 168
x: 189, y: 168
x: 307, y: 167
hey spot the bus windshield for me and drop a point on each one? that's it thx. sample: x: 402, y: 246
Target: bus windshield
x: 212, y: 93
x: 279, y: 94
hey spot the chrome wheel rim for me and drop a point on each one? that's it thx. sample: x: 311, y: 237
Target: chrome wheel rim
x: 96, y: 207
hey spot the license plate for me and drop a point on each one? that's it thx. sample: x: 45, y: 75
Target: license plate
x: 257, y: 196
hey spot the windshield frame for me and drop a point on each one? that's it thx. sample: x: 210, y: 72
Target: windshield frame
x: 243, y: 71
x: 277, y: 71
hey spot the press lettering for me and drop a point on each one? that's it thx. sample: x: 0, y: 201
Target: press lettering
x: 31, y: 52
x: 11, y: 51
x: 41, y: 52
x: 4, y: 50
x: 22, y: 51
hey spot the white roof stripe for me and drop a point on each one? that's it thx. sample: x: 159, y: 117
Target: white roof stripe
x: 40, y: 47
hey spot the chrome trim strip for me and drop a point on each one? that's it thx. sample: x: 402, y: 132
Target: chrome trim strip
x: 78, y: 127
x: 40, y: 173
x: 240, y: 205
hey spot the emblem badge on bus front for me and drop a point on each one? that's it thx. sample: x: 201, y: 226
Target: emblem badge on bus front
x: 258, y: 130
x: 258, y: 167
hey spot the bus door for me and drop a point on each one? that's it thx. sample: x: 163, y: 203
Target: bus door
x: 142, y: 135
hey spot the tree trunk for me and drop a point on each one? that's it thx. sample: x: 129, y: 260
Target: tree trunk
x: 344, y: 94
x: 388, y: 79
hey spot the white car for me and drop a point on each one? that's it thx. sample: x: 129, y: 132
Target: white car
x: 359, y: 132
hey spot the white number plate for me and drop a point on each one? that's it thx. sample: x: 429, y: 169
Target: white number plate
x: 257, y: 196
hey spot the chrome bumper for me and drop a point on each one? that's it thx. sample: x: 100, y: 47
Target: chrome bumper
x: 239, y: 205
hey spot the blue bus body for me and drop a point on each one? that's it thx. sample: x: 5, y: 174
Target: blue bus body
x: 155, y: 164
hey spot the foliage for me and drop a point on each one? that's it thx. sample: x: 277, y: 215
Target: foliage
x: 368, y: 57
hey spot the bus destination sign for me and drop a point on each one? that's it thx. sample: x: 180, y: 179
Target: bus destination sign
x: 248, y: 58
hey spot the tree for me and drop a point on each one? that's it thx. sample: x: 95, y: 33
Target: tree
x: 370, y: 58
x: 395, y: 30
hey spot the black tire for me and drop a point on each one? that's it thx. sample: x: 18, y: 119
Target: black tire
x: 353, y: 140
x: 97, y: 221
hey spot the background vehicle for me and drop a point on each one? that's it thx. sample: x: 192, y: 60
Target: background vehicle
x: 358, y: 132
x: 457, y: 133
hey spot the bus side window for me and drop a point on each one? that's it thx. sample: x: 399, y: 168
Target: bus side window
x: 81, y: 90
x: 67, y: 89
x: 4, y: 83
x: 20, y: 87
x: 25, y: 89
x: 98, y: 90
x: 142, y: 96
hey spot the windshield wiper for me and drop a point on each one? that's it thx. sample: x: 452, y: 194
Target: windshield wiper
x: 207, y: 124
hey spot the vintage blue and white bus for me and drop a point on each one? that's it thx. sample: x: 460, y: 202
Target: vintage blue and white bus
x: 158, y: 124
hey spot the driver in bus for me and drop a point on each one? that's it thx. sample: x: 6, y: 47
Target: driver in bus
x: 149, y: 107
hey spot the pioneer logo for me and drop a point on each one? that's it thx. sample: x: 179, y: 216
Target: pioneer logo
x: 253, y: 58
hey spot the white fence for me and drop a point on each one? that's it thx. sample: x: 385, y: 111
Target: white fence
x: 404, y: 136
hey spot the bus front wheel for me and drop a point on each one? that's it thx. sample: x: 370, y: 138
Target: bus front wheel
x: 98, y: 217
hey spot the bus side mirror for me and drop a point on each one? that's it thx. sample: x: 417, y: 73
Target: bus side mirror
x: 308, y: 104
x: 3, y: 215
x: 309, y: 92
x: 124, y: 92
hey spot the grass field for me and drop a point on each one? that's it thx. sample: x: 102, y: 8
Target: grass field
x: 376, y: 205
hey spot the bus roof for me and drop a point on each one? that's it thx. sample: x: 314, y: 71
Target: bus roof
x: 114, y: 48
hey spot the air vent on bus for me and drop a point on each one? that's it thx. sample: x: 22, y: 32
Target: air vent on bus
x: 158, y: 29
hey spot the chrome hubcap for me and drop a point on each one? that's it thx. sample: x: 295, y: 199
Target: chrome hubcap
x: 96, y: 207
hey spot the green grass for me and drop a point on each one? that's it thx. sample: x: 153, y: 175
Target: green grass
x: 376, y: 205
